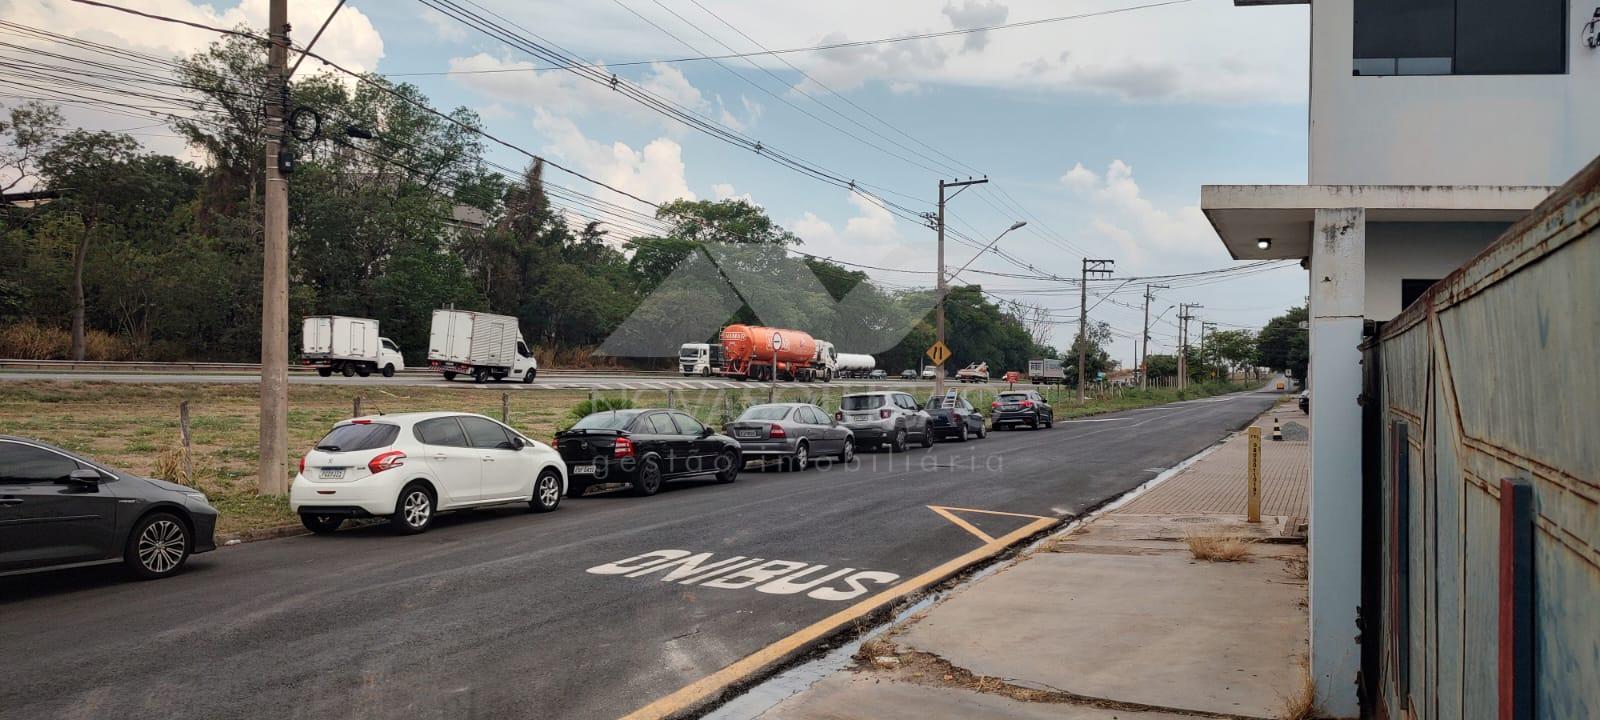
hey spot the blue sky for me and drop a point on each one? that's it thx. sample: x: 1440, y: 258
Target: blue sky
x: 1103, y: 128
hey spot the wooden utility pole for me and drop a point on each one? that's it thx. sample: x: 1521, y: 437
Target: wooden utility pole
x: 274, y: 445
x: 1144, y: 350
x: 1183, y: 342
x: 1100, y: 267
x: 938, y: 377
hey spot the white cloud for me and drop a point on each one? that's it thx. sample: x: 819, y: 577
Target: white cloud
x: 445, y: 27
x: 973, y: 14
x: 725, y: 191
x: 872, y: 236
x: 654, y: 172
x: 1143, y: 232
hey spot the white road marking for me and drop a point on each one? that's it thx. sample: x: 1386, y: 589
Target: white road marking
x: 737, y: 572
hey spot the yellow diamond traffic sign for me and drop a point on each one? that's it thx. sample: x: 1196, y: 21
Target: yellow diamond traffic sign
x: 938, y: 353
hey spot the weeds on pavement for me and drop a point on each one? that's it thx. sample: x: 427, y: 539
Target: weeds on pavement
x: 1218, y: 548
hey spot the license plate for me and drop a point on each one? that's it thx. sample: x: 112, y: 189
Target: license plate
x: 747, y: 433
x: 331, y: 473
x: 861, y: 417
x: 582, y: 469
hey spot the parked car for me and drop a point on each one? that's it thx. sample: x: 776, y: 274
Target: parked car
x: 645, y: 448
x: 1021, y: 407
x: 954, y: 418
x: 60, y: 510
x: 793, y: 432
x: 1305, y: 401
x: 411, y: 467
x: 930, y: 372
x: 884, y: 418
x: 908, y: 374
x: 879, y: 374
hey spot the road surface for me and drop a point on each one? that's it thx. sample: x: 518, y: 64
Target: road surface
x: 500, y: 613
x: 544, y: 381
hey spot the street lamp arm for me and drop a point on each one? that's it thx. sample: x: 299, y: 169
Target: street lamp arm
x: 985, y: 249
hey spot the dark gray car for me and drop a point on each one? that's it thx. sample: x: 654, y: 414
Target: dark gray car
x: 60, y: 510
x: 793, y: 432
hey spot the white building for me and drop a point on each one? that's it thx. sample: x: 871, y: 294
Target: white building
x: 1434, y: 124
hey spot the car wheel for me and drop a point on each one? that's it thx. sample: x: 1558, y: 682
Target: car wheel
x: 546, y: 492
x: 648, y: 481
x: 347, y: 371
x: 801, y: 457
x: 449, y: 375
x: 388, y: 370
x: 527, y: 377
x: 413, y: 511
x: 983, y: 431
x: 899, y: 444
x: 480, y: 376
x: 961, y: 435
x: 927, y: 436
x: 325, y: 372
x: 727, y: 465
x: 157, y: 547
x: 321, y: 524
x: 849, y: 451
x: 1050, y: 422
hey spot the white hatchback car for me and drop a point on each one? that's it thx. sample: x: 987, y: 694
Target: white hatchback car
x: 410, y: 467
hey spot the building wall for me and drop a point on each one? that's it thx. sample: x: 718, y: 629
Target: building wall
x: 1497, y: 384
x: 1448, y: 130
x: 1397, y: 251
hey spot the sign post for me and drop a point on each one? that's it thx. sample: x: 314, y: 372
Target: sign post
x: 777, y: 344
x: 1253, y: 503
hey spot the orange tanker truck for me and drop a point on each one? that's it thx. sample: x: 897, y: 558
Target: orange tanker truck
x: 749, y: 353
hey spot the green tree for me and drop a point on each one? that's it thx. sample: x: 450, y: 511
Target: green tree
x: 1283, y: 346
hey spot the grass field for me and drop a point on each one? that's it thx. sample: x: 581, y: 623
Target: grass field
x: 135, y: 427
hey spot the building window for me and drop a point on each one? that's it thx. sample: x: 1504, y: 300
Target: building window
x: 1412, y: 288
x: 1460, y: 37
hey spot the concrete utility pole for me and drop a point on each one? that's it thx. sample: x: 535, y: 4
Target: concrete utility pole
x: 1183, y: 341
x: 1144, y: 349
x: 938, y: 376
x: 1216, y: 358
x: 1099, y: 267
x: 275, y: 267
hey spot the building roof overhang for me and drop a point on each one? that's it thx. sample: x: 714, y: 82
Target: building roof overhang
x: 1244, y: 214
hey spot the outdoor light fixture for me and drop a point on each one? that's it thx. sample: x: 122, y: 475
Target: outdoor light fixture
x: 1263, y: 243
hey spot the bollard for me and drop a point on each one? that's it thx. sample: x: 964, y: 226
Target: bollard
x: 1277, y: 431
x: 505, y: 408
x: 188, y: 452
x: 1253, y: 477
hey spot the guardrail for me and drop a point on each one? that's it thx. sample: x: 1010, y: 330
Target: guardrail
x: 137, y: 366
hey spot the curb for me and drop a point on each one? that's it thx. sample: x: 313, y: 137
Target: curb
x: 271, y: 533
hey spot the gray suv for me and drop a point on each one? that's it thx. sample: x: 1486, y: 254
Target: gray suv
x: 885, y: 418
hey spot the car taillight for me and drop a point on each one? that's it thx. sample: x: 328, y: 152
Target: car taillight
x: 623, y: 448
x: 994, y: 405
x: 302, y: 464
x: 777, y: 432
x: 386, y: 461
x: 883, y: 414
x: 838, y: 416
x: 1027, y: 403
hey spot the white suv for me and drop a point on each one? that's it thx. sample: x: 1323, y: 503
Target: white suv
x: 885, y: 418
x: 410, y: 467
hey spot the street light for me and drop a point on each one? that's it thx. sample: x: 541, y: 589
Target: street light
x: 985, y: 249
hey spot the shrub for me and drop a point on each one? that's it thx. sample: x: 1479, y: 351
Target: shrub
x: 31, y: 341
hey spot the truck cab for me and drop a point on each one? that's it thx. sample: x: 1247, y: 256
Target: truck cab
x: 695, y: 359
x: 390, y: 361
x: 525, y: 366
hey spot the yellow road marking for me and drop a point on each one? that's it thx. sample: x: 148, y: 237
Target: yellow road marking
x: 964, y: 525
x: 691, y: 695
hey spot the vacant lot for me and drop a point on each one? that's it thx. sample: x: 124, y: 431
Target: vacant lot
x: 136, y: 428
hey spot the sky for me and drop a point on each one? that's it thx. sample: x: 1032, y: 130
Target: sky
x: 1098, y: 131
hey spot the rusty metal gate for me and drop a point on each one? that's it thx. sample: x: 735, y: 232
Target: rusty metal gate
x: 1481, y: 594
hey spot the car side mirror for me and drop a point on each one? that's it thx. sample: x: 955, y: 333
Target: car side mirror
x: 706, y: 431
x: 518, y: 443
x: 85, y: 476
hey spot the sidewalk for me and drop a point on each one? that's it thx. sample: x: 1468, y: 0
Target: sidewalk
x: 1113, y: 620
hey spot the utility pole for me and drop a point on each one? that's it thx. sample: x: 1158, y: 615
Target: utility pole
x: 938, y: 376
x: 275, y: 266
x: 1144, y: 350
x: 1183, y: 341
x: 1098, y: 267
x: 1209, y: 330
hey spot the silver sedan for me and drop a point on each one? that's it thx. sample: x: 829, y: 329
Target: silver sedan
x: 792, y: 432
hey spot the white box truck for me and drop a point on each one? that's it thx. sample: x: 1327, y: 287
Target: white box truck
x: 348, y: 346
x: 1046, y: 371
x: 479, y: 345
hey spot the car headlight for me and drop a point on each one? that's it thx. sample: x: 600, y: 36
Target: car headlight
x: 196, y: 496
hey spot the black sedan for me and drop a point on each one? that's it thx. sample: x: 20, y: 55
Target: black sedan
x: 954, y: 417
x: 644, y: 448
x: 60, y: 510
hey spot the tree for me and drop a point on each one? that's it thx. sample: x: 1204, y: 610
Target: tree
x: 1283, y: 346
x: 26, y: 133
x: 1095, y: 340
x: 1161, y: 366
x: 1236, y: 348
x: 93, y: 171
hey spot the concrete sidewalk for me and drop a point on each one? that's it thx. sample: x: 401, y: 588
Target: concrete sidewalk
x: 1113, y: 620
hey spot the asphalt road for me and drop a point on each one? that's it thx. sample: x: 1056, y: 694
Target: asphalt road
x: 544, y: 381
x: 497, y: 614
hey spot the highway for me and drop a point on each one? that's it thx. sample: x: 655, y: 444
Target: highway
x: 501, y: 613
x: 546, y: 380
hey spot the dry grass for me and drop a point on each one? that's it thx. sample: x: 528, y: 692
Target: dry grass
x: 1301, y: 704
x: 1218, y: 548
x: 32, y: 341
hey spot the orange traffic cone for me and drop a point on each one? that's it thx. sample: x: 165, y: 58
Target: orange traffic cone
x: 1277, y: 431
